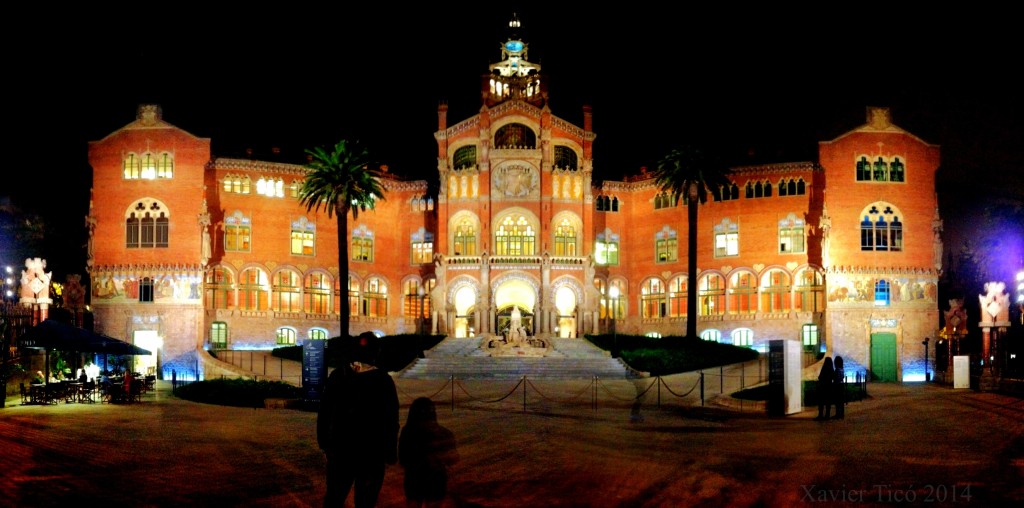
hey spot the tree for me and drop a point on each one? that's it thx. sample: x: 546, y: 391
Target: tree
x: 690, y: 173
x: 341, y: 181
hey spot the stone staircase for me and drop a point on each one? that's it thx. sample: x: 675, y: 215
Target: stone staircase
x: 568, y: 359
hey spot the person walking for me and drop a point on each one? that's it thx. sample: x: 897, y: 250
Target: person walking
x: 839, y: 388
x: 357, y: 426
x: 826, y: 378
x: 426, y: 450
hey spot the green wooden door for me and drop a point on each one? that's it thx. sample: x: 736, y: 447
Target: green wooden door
x: 883, y: 357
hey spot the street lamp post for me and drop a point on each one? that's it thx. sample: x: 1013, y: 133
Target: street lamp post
x: 422, y: 319
x: 1020, y: 294
x: 927, y: 375
x: 613, y: 292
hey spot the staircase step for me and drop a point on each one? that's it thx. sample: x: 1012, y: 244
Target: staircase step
x: 567, y: 359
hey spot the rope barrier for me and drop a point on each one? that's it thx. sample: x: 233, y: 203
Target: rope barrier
x: 631, y: 399
x: 667, y: 387
x: 564, y: 401
x: 474, y: 399
x: 431, y: 396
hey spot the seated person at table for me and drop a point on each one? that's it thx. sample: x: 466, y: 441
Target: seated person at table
x: 82, y: 376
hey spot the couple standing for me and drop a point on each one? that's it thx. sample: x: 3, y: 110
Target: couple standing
x: 357, y: 428
x: 831, y: 389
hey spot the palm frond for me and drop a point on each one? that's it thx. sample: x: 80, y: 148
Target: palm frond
x: 682, y: 167
x: 340, y: 180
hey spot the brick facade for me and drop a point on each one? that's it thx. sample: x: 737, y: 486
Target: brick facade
x: 515, y: 221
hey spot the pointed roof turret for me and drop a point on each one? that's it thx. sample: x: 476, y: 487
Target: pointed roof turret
x: 514, y: 77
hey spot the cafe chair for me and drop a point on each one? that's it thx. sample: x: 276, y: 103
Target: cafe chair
x: 135, y: 392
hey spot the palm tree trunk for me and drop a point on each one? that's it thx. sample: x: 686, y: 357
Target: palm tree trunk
x: 343, y: 310
x: 691, y: 263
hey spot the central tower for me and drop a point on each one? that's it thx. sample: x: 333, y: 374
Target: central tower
x: 513, y: 209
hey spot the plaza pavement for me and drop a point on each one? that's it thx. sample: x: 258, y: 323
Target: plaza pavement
x: 576, y: 444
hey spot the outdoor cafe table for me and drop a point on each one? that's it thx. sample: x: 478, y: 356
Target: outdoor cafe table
x: 37, y: 393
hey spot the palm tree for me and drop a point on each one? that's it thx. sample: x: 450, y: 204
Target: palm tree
x: 688, y: 172
x: 341, y: 181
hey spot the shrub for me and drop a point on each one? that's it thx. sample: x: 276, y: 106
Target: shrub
x: 673, y: 354
x: 397, y: 351
x: 237, y: 392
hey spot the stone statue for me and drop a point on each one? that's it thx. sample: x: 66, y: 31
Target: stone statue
x: 824, y: 225
x: 207, y: 243
x: 516, y: 333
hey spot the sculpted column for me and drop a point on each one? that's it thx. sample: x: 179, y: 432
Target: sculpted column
x: 484, y: 299
x: 545, y: 290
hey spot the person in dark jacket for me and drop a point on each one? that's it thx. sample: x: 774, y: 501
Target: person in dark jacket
x: 839, y: 389
x: 826, y: 378
x: 357, y: 426
x: 426, y: 450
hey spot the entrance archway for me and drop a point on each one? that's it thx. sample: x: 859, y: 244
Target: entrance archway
x: 565, y: 304
x: 515, y: 293
x: 465, y: 307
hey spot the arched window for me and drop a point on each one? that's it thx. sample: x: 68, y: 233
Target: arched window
x: 882, y: 292
x: 515, y: 135
x: 616, y: 298
x: 791, y: 235
x: 219, y: 335
x: 775, y: 291
x: 303, y: 238
x: 132, y: 167
x: 711, y: 335
x: 666, y: 247
x: 147, y: 225
x: 375, y: 298
x: 896, y: 170
x: 465, y: 238
x: 317, y: 293
x: 881, y: 229
x: 677, y: 296
x: 252, y: 289
x: 880, y: 170
x: 362, y: 244
x: 809, y: 337
x: 317, y: 334
x: 863, y: 169
x: 217, y: 285
x: 515, y: 237
x: 286, y: 336
x: 565, y: 158
x: 652, y: 299
x: 422, y: 247
x: 742, y: 293
x: 270, y: 187
x: 810, y: 291
x: 727, y: 239
x: 165, y: 166
x: 711, y: 292
x: 146, y: 289
x: 464, y: 158
x: 416, y: 298
x: 351, y: 296
x: 565, y: 239
x: 606, y: 249
x: 743, y: 337
x: 237, y: 232
x: 148, y: 167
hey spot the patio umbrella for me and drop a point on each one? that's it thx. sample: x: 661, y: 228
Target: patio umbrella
x: 53, y: 334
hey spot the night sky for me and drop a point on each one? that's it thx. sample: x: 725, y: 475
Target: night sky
x: 755, y: 86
